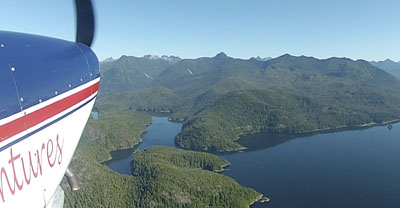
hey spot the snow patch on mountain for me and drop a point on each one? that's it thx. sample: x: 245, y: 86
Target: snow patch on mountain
x: 190, y: 71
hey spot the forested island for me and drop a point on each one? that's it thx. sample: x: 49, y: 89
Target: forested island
x: 161, y: 176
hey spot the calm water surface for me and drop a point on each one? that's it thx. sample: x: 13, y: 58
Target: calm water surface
x: 358, y: 168
x: 159, y: 132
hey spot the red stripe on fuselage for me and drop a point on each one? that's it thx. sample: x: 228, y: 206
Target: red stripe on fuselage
x: 30, y: 120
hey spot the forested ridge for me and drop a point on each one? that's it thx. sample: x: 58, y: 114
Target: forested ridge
x: 244, y: 112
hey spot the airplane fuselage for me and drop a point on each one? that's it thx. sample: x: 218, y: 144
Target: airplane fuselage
x: 47, y: 90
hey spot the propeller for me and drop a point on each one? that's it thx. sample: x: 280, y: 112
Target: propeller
x: 84, y: 22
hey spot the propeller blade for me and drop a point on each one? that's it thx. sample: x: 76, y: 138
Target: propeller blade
x: 84, y: 22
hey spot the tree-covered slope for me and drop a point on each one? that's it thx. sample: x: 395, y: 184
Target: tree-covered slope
x: 119, y: 130
x: 217, y: 127
x: 179, y: 178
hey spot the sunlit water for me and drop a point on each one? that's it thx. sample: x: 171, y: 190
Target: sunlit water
x: 353, y: 168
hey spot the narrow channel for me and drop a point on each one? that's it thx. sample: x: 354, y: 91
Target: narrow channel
x: 160, y: 132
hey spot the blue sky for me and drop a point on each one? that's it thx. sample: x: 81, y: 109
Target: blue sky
x: 187, y: 28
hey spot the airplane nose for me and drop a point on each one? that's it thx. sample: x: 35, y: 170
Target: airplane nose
x: 42, y: 67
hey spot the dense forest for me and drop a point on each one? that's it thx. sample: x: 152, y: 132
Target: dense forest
x: 120, y: 130
x: 161, y: 176
x: 242, y: 112
x: 221, y: 98
x: 178, y: 178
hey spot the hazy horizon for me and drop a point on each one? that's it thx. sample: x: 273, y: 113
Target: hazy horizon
x: 257, y: 56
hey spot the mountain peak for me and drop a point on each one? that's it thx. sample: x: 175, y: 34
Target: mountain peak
x: 221, y: 55
x: 258, y: 58
x: 388, y: 60
x: 107, y: 60
x: 172, y: 59
x: 287, y: 55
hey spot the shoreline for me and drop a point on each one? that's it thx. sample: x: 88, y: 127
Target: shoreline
x: 126, y: 148
x: 222, y: 168
x: 315, y: 131
x: 256, y: 200
x: 318, y: 131
x: 260, y: 199
x: 371, y: 124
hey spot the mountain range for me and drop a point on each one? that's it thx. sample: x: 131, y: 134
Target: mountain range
x: 220, y: 98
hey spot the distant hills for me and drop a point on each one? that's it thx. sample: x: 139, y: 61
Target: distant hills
x: 220, y: 98
x: 389, y: 66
